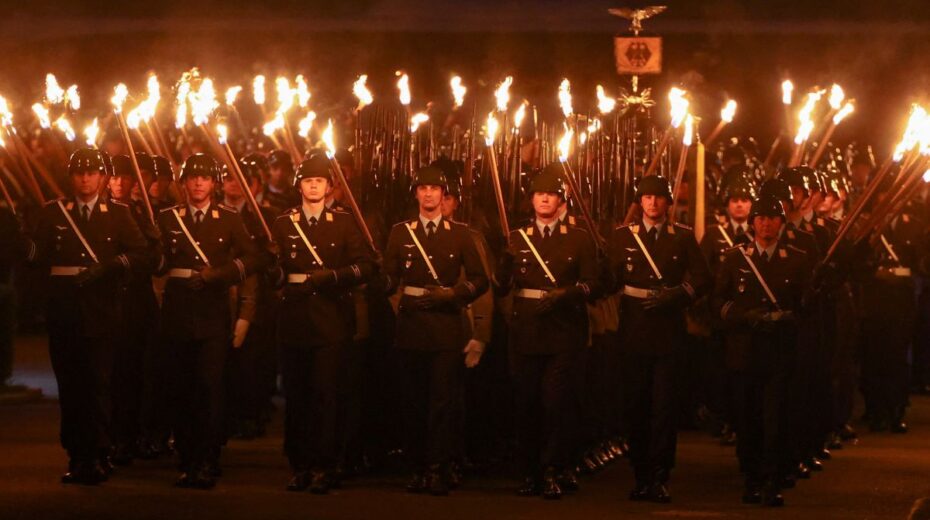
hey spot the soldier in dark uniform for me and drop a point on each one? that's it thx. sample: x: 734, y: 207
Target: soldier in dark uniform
x: 15, y: 248
x: 736, y: 200
x: 88, y: 244
x: 323, y: 256
x: 551, y: 268
x: 278, y: 191
x: 890, y: 315
x: 138, y: 328
x: 252, y: 362
x: 159, y: 187
x: 660, y: 271
x: 426, y: 256
x: 206, y: 250
x: 757, y: 295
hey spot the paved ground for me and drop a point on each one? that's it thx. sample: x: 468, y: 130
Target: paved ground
x: 879, y: 478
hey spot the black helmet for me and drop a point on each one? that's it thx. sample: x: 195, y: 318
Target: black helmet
x: 550, y: 180
x: 777, y: 189
x: 85, y: 159
x: 453, y: 173
x: 653, y: 185
x: 145, y: 162
x: 281, y: 159
x: 122, y: 166
x: 200, y: 164
x: 162, y: 167
x: 316, y: 166
x: 256, y: 163
x: 737, y: 188
x: 430, y: 176
x: 766, y: 207
x: 800, y: 177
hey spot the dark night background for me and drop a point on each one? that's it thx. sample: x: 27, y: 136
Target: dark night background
x: 717, y: 48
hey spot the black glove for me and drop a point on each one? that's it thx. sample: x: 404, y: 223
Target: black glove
x: 209, y: 275
x: 322, y: 278
x: 552, y: 299
x: 274, y: 275
x: 88, y: 276
x: 666, y: 297
x: 196, y: 281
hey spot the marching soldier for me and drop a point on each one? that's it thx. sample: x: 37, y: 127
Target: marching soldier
x: 757, y: 295
x: 206, y: 250
x: 88, y: 244
x: 138, y: 328
x: 660, y: 271
x: 426, y: 256
x: 323, y: 256
x: 278, y: 190
x: 551, y: 268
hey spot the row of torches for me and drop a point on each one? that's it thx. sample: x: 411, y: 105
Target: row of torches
x: 196, y: 102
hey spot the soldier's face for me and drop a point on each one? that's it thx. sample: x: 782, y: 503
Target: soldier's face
x: 314, y: 189
x: 654, y: 207
x: 738, y: 208
x: 798, y: 197
x: 429, y: 197
x: 448, y: 206
x: 199, y: 188
x: 766, y: 228
x: 121, y: 186
x: 546, y: 205
x: 231, y: 188
x: 277, y: 175
x: 87, y: 182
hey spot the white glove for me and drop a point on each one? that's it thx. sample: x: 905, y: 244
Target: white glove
x: 473, y: 352
x: 239, y: 332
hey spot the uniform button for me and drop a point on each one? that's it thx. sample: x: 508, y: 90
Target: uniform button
x: 196, y: 258
x: 430, y: 257
x: 198, y: 242
x: 83, y: 255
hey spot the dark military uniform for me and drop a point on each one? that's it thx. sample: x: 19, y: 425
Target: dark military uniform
x: 546, y: 338
x: 761, y: 350
x: 196, y: 321
x: 81, y: 316
x: 14, y: 250
x: 431, y: 334
x: 890, y: 319
x: 651, y: 338
x: 315, y: 323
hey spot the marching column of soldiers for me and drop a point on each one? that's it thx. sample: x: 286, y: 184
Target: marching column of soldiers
x: 172, y: 307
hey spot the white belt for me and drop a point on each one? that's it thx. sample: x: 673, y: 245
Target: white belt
x: 414, y: 291
x: 180, y: 273
x: 532, y: 294
x: 67, y: 270
x: 297, y: 278
x: 636, y: 292
x: 900, y: 271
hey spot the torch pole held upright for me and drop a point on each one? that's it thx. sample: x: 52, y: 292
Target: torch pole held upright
x: 124, y: 130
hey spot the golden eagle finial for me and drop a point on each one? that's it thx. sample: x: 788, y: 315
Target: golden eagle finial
x: 636, y: 16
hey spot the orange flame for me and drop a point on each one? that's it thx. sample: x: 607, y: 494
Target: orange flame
x: 458, y: 91
x: 361, y: 92
x: 565, y: 97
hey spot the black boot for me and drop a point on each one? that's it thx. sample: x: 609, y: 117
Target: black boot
x: 771, y: 495
x: 299, y: 481
x: 550, y: 485
x: 417, y: 483
x: 436, y: 481
x: 319, y: 482
x: 752, y: 492
x: 531, y: 487
x: 658, y: 491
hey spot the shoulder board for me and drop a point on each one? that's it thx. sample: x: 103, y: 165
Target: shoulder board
x: 623, y: 226
x: 447, y: 225
x: 413, y: 223
x: 670, y: 229
x: 734, y: 248
x: 329, y: 216
x: 54, y: 202
x: 287, y: 214
x: 169, y: 208
x: 795, y: 249
x: 295, y: 217
x: 571, y: 220
x: 634, y: 228
x: 338, y: 209
x: 228, y: 208
x: 563, y: 229
x: 529, y: 231
x: 102, y: 206
x: 117, y: 203
x: 682, y: 226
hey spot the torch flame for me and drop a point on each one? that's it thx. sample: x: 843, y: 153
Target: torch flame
x: 203, y: 102
x: 926, y: 176
x: 689, y: 131
x: 65, y: 126
x: 42, y: 115
x: 403, y: 88
x: 565, y: 143
x: 285, y: 94
x: 806, y: 123
x: 787, y: 88
x: 6, y: 116
x: 680, y: 103
x: 594, y: 126
x: 361, y: 92
x: 258, y: 89
x: 222, y: 133
x: 416, y: 120
x: 502, y: 94
x: 458, y: 91
x: 231, y: 94
x: 328, y: 140
x: 303, y: 93
x: 490, y: 129
x: 519, y: 115
x: 274, y: 125
x: 184, y: 89
x: 305, y: 124
x: 73, y: 98
x: 836, y: 96
x: 54, y: 94
x: 728, y: 112
x: 134, y: 118
x: 91, y: 132
x: 565, y: 97
x: 120, y: 92
x: 605, y: 103
x: 845, y: 111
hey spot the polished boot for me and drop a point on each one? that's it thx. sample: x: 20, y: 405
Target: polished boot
x: 531, y: 487
x: 752, y: 492
x: 436, y: 482
x: 202, y: 478
x: 771, y: 495
x: 299, y: 481
x: 568, y: 481
x: 550, y: 485
x: 417, y: 483
x: 640, y: 491
x: 319, y: 482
